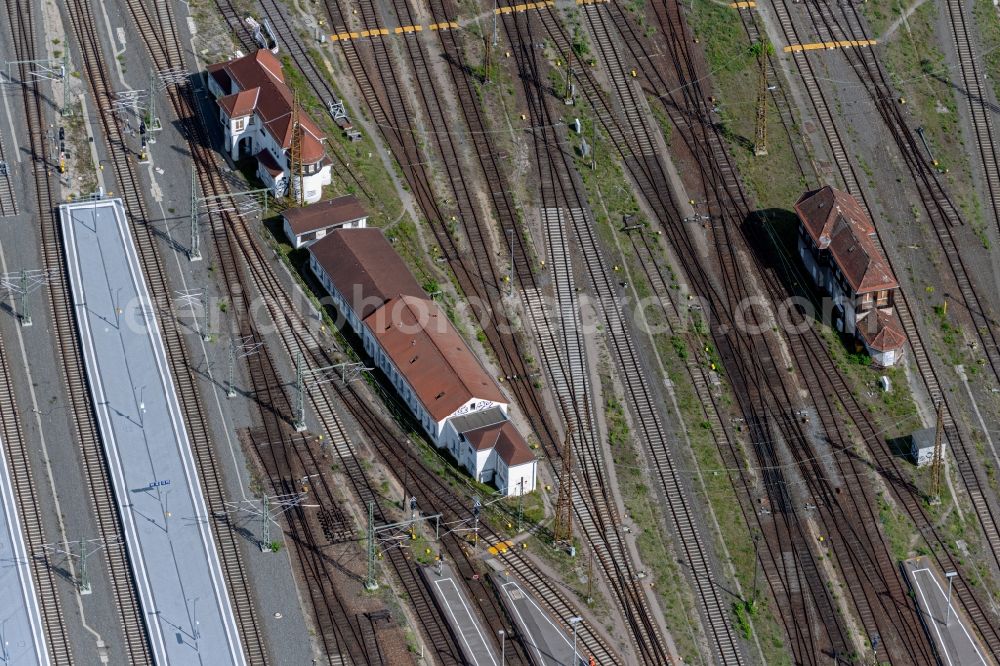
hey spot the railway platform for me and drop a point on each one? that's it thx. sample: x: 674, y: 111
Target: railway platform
x: 22, y: 640
x: 545, y: 642
x: 956, y: 644
x: 476, y: 646
x: 173, y: 555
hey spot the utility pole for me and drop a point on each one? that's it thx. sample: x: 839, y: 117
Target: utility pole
x: 231, y: 385
x: 370, y: 583
x: 496, y: 36
x: 510, y: 278
x: 569, y: 95
x: 195, y: 253
x: 762, y: 49
x: 563, y: 530
x: 297, y: 167
x: 477, y: 506
x: 265, y: 522
x: 488, y: 61
x: 590, y: 577
x: 25, y: 315
x: 19, y: 284
x: 520, y: 505
x: 64, y: 111
x: 949, y: 575
x: 84, y: 582
x: 300, y: 395
x: 937, y: 462
x: 575, y: 621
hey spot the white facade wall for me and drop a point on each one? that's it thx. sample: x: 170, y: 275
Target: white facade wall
x: 883, y: 358
x: 299, y: 241
x: 825, y: 278
x: 259, y: 138
x: 510, y: 480
x: 479, y: 464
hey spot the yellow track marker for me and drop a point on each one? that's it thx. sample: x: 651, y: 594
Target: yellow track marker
x: 817, y: 46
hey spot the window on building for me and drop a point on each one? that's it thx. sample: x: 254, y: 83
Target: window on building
x: 239, y: 124
x: 883, y: 299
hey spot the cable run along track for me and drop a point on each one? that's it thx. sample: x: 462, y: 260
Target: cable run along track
x: 639, y: 144
x: 12, y: 435
x: 559, y: 187
x: 540, y: 586
x: 96, y: 75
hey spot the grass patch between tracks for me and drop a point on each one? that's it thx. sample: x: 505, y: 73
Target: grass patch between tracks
x: 772, y: 179
x: 612, y: 198
x: 920, y: 74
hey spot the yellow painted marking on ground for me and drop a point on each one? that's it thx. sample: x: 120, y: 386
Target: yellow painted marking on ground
x: 743, y: 5
x: 500, y: 547
x: 843, y: 44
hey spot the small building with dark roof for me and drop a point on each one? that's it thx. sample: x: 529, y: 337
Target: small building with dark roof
x: 922, y: 446
x: 411, y: 340
x: 837, y: 245
x: 307, y: 224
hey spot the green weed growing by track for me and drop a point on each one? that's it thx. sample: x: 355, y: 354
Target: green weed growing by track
x: 611, y: 196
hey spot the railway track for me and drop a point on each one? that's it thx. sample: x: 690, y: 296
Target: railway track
x: 833, y: 425
x: 158, y: 27
x: 405, y: 132
x: 21, y: 15
x: 16, y: 453
x: 284, y: 458
x: 944, y: 217
x: 873, y: 554
x: 730, y: 183
x: 977, y: 97
x: 438, y: 633
x: 8, y: 200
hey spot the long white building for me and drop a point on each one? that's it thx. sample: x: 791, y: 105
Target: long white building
x: 410, y: 338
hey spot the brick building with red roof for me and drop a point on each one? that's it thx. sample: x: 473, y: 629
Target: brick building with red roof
x: 255, y: 109
x: 837, y: 245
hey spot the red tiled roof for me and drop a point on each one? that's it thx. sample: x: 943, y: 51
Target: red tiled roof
x: 324, y: 214
x: 364, y: 268
x: 882, y: 331
x: 422, y: 343
x: 261, y: 71
x: 239, y: 104
x: 507, y: 441
x: 836, y: 222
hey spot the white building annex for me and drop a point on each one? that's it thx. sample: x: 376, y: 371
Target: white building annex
x: 255, y: 109
x: 410, y: 338
x: 306, y: 225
